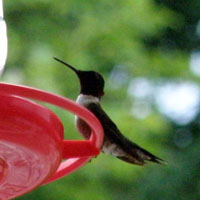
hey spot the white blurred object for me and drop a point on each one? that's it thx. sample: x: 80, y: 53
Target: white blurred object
x: 140, y: 88
x: 141, y: 109
x: 178, y: 101
x: 195, y: 62
x: 3, y: 39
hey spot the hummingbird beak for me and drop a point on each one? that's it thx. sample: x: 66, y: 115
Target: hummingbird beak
x: 72, y: 68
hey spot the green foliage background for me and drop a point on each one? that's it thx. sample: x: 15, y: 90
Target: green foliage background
x: 148, y: 38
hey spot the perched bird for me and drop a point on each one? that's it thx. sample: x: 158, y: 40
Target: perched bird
x: 116, y: 144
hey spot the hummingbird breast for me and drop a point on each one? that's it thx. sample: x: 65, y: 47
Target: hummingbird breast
x: 81, y: 125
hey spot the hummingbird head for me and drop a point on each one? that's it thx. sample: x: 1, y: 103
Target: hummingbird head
x: 92, y: 83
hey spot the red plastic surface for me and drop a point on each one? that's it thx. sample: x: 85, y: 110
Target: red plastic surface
x: 32, y: 136
x: 30, y: 145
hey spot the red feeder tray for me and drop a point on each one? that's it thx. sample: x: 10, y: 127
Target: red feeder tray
x: 31, y: 140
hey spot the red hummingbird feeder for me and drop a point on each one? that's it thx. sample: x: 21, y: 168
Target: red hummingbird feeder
x: 32, y: 145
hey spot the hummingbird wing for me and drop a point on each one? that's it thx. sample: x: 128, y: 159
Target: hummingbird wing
x: 122, y: 147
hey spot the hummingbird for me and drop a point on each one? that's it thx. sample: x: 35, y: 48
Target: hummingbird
x: 115, y: 143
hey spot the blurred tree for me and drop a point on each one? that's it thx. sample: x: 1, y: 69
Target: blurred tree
x: 147, y: 41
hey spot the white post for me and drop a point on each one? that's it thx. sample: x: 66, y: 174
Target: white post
x: 3, y: 39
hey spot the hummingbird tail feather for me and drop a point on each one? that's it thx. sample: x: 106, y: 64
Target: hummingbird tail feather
x: 139, y: 156
x: 147, y: 156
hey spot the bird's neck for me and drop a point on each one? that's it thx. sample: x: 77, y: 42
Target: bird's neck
x: 85, y: 100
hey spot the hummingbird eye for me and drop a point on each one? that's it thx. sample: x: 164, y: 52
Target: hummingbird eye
x: 100, y: 78
x: 97, y: 76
